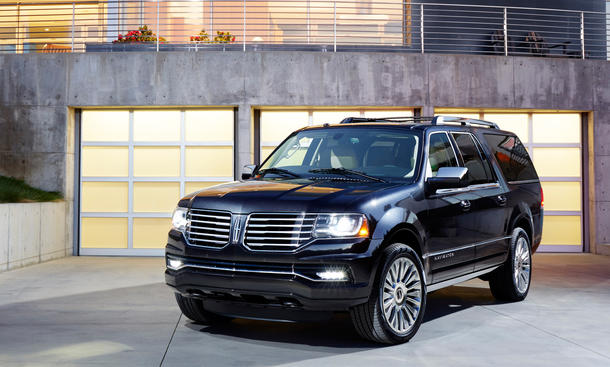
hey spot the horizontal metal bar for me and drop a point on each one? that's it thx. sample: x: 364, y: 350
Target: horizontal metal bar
x: 562, y: 212
x: 261, y: 244
x: 196, y: 240
x: 226, y: 230
x: 279, y: 225
x: 121, y: 252
x: 274, y: 232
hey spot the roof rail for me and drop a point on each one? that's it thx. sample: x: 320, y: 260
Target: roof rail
x: 439, y: 120
x: 350, y: 120
x: 436, y: 120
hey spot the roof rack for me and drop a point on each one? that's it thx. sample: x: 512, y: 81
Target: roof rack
x: 436, y: 120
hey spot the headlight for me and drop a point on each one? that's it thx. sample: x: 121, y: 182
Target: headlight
x: 341, y: 225
x: 179, y: 219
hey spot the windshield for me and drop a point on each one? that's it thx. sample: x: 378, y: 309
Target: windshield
x: 357, y: 152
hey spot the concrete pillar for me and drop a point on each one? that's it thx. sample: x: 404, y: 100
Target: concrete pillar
x: 243, y: 133
x: 427, y: 111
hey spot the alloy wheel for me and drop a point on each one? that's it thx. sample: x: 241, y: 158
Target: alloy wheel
x: 522, y: 265
x: 401, y: 295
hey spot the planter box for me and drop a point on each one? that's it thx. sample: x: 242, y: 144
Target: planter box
x: 31, y: 233
x: 132, y: 47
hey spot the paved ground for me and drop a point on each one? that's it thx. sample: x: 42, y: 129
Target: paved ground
x: 117, y: 312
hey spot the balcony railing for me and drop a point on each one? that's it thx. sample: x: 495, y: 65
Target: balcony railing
x: 328, y: 26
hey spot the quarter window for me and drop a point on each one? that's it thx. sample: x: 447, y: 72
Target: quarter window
x: 440, y: 153
x: 512, y: 157
x: 479, y: 170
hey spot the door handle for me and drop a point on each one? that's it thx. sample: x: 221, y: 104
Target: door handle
x: 501, y: 200
x: 465, y: 204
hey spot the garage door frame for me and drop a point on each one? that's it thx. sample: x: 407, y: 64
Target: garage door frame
x: 182, y: 179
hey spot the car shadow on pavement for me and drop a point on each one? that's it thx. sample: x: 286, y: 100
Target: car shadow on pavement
x: 338, y: 332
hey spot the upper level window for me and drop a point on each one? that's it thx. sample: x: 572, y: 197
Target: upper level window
x: 479, y: 170
x: 440, y: 153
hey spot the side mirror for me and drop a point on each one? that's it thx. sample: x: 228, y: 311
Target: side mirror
x: 247, y: 172
x: 448, y: 178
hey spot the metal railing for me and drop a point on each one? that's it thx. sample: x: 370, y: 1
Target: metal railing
x: 328, y: 26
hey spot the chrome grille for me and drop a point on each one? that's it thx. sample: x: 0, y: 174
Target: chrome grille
x: 278, y: 231
x: 208, y: 227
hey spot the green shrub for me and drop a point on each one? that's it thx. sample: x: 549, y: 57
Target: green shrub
x: 13, y: 190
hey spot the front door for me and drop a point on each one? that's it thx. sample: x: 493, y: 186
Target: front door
x: 450, y: 253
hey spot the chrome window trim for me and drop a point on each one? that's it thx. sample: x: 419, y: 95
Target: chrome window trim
x: 485, y: 186
x: 523, y: 182
x: 237, y: 270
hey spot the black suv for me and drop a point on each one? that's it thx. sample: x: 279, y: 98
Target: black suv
x: 365, y: 216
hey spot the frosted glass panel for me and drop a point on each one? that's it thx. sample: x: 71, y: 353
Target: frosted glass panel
x: 513, y: 122
x: 564, y: 196
x: 150, y: 232
x: 156, y: 125
x: 561, y: 230
x: 105, y: 197
x: 557, y: 162
x: 333, y: 117
x: 156, y: 197
x: 209, y: 125
x: 105, y: 161
x: 556, y: 128
x: 209, y: 162
x: 156, y: 161
x: 104, y: 232
x: 105, y: 125
x: 277, y: 125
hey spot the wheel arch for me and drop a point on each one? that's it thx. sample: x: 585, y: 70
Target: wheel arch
x: 524, y: 219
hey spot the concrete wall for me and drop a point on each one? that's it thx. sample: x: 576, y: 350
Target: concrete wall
x: 32, y: 233
x: 36, y: 91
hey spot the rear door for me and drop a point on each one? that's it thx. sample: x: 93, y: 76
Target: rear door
x: 488, y: 214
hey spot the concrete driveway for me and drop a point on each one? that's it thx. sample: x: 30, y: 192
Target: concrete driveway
x: 117, y: 312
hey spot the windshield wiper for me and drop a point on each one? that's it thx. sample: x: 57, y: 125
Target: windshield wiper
x: 279, y: 171
x: 346, y: 172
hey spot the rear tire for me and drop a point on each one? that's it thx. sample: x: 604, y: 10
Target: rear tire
x: 397, y: 302
x: 194, y: 310
x: 511, y: 281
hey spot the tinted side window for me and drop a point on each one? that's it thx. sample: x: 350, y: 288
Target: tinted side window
x: 512, y: 157
x: 441, y: 153
x: 479, y: 170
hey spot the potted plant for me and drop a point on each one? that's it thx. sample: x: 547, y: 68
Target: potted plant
x: 142, y: 39
x: 203, y: 38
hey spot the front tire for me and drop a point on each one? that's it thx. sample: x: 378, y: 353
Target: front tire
x: 397, y: 303
x: 194, y: 310
x: 511, y: 281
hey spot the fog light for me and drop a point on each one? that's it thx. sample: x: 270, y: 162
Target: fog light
x: 174, y: 264
x: 336, y: 275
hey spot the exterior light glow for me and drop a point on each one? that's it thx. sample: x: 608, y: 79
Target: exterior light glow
x: 174, y: 264
x: 179, y: 220
x: 341, y: 226
x: 364, y: 229
x: 337, y: 275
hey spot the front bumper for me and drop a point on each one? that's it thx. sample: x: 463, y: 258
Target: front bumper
x: 234, y: 276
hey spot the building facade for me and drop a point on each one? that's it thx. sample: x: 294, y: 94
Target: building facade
x: 124, y: 134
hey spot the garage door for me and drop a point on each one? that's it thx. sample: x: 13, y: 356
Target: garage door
x: 554, y: 141
x: 276, y: 125
x: 136, y: 164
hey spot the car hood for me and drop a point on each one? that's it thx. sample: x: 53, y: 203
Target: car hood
x: 286, y: 195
